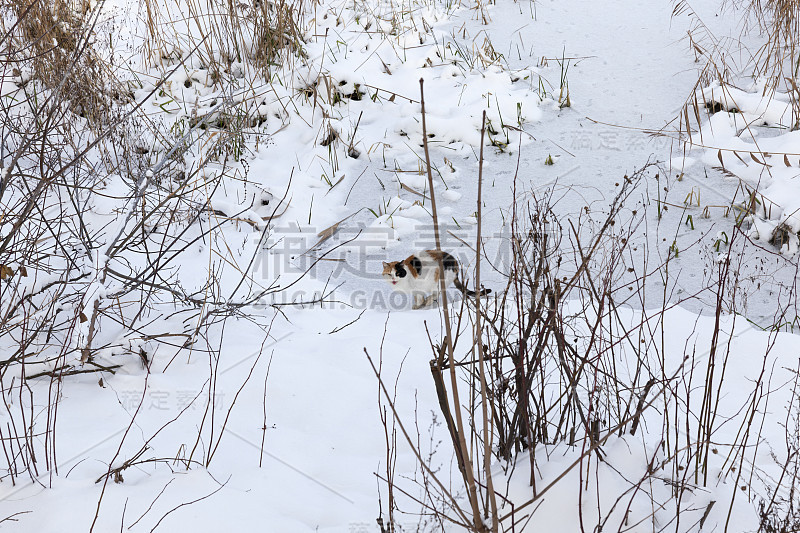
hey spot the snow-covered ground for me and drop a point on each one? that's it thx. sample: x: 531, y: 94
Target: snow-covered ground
x: 302, y: 453
x: 269, y: 418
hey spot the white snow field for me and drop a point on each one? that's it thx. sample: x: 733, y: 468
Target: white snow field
x: 194, y: 330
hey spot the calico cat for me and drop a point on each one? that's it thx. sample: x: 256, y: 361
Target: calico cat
x: 419, y: 275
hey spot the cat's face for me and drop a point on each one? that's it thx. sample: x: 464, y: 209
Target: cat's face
x: 394, y: 272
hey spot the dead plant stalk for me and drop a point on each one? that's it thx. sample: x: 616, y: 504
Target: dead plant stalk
x: 460, y: 443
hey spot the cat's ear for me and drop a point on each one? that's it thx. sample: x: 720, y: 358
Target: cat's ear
x: 385, y: 265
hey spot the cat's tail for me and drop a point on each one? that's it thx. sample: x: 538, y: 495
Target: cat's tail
x: 460, y: 286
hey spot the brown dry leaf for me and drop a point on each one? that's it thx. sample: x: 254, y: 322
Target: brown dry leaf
x: 740, y: 158
x: 754, y: 158
x: 83, y: 317
x: 335, y: 184
x: 687, y: 123
x: 409, y: 189
x: 23, y: 272
x: 5, y: 272
x: 786, y: 160
x: 719, y: 156
x: 328, y: 232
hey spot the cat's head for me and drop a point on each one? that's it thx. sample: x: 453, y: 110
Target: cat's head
x: 394, y: 272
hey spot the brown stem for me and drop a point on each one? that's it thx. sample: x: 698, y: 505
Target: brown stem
x: 466, y: 467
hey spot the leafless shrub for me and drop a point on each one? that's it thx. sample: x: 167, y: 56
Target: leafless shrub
x: 780, y: 513
x: 555, y: 363
x: 95, y: 224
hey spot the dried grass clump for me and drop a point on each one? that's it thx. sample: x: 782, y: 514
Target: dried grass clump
x: 51, y: 41
x: 276, y: 27
x: 780, y: 22
x: 777, y: 59
x: 262, y: 34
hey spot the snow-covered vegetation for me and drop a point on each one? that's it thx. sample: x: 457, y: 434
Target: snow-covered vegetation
x: 196, y: 200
